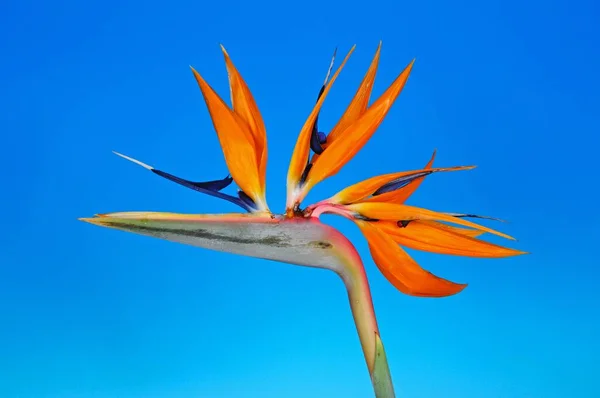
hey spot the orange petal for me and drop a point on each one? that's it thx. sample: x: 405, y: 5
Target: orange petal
x: 396, y: 212
x: 473, y: 233
x: 302, y: 148
x: 356, y: 135
x: 236, y: 141
x: 401, y: 270
x: 400, y: 195
x: 359, y: 103
x: 365, y: 188
x: 245, y: 106
x: 431, y: 238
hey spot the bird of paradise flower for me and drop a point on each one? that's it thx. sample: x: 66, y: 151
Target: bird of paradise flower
x: 376, y: 205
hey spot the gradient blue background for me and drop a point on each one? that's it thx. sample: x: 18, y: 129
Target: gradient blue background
x: 90, y: 312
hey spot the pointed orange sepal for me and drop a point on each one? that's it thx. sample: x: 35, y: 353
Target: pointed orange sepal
x: 473, y: 233
x: 396, y: 212
x: 401, y: 270
x: 420, y: 235
x: 358, y: 106
x: 236, y: 141
x: 302, y: 148
x: 360, y: 102
x: 245, y: 106
x: 356, y: 135
x: 364, y: 189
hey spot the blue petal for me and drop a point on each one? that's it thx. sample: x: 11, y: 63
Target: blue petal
x: 199, y: 188
x: 247, y: 199
x: 317, y: 138
x: 211, y: 188
x: 216, y: 185
x: 304, y: 175
x: 400, y: 182
x: 322, y: 137
x: 359, y: 216
x: 461, y: 215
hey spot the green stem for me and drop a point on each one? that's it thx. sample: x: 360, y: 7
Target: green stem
x: 354, y: 277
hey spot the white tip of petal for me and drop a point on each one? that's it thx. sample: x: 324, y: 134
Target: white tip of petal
x: 144, y: 165
x: 330, y: 67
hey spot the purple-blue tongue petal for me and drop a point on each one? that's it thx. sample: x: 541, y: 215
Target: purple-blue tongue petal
x: 400, y: 182
x: 246, y: 199
x: 211, y: 188
x: 461, y: 215
x: 316, y: 141
x: 215, y: 185
x: 196, y: 186
x: 322, y: 137
x: 318, y: 138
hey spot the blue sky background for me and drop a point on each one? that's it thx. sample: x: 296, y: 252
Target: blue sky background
x: 88, y: 312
